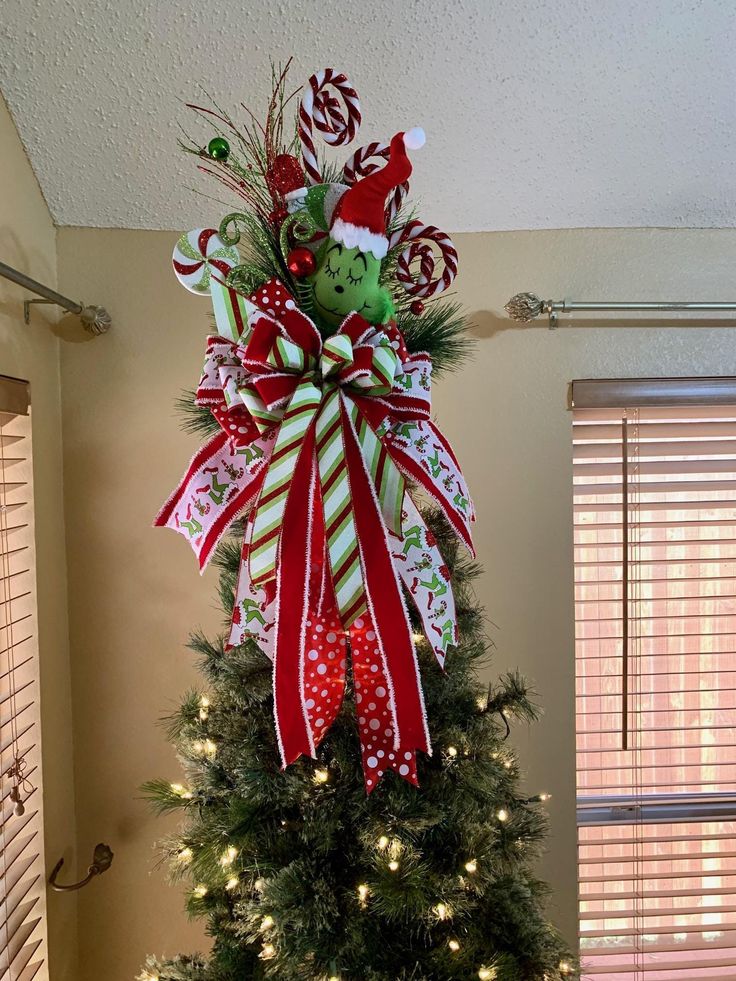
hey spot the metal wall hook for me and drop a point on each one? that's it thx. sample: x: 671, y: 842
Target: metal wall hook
x: 101, y: 862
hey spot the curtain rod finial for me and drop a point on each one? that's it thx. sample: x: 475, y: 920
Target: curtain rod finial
x: 95, y: 319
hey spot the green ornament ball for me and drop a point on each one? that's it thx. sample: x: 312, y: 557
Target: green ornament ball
x: 218, y: 148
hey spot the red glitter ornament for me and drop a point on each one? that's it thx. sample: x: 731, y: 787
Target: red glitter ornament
x: 417, y: 308
x: 301, y: 262
x: 286, y: 174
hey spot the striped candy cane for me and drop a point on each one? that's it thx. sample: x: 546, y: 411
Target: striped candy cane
x: 365, y: 162
x: 423, y: 285
x: 322, y: 109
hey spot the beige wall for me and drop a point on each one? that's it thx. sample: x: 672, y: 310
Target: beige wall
x: 28, y: 243
x: 135, y: 593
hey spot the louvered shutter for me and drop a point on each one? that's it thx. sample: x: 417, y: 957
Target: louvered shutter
x: 22, y: 885
x: 655, y: 582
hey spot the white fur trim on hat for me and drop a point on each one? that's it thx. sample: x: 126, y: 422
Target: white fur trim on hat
x: 356, y: 237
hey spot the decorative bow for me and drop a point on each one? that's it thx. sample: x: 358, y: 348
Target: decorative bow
x: 317, y: 440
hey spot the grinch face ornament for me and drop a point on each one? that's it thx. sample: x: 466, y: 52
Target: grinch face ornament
x: 347, y: 280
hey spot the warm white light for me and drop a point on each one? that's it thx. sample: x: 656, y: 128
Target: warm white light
x: 508, y: 764
x: 321, y: 776
x: 363, y: 893
x: 393, y: 865
x: 545, y: 797
x: 185, y: 855
x: 487, y: 974
x: 204, y: 702
x: 453, y: 945
x: 229, y: 856
x: 441, y: 911
x: 267, y: 952
x: 417, y: 637
x: 147, y: 976
x: 266, y: 923
x: 260, y: 885
x: 482, y: 703
x: 452, y: 751
x: 383, y: 843
x: 200, y: 891
x: 503, y: 814
x: 231, y: 884
x: 471, y: 866
x: 565, y: 967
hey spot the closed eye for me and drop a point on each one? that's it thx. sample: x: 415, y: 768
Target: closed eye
x: 351, y: 279
x: 330, y: 271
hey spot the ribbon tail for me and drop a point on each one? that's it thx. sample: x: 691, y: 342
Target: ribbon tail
x: 221, y: 480
x: 424, y: 455
x: 374, y: 710
x: 387, y: 610
x: 422, y: 569
x: 387, y: 478
x: 292, y: 603
x: 254, y: 613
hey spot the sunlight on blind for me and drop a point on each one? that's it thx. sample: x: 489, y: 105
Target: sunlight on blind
x: 657, y: 821
x: 22, y: 879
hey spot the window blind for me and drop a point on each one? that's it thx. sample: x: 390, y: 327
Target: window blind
x: 22, y: 878
x: 655, y: 592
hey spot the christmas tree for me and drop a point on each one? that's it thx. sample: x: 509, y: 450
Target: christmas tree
x: 354, y: 856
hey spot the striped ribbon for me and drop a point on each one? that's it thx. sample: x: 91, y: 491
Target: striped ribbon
x: 369, y: 371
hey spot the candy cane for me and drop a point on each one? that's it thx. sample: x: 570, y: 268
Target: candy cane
x: 423, y: 285
x: 322, y: 109
x: 359, y: 166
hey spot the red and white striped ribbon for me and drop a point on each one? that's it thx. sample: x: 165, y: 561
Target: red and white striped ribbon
x: 319, y: 107
x: 417, y: 235
x: 363, y: 163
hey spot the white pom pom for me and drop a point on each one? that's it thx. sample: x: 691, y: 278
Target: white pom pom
x: 414, y: 138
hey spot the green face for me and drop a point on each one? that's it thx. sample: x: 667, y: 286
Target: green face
x: 347, y: 280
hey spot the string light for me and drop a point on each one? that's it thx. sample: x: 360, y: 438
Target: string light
x: 452, y: 751
x: 181, y: 791
x: 200, y: 891
x: 204, y: 704
x: 231, y: 884
x: 393, y: 865
x: 544, y: 797
x: 320, y: 776
x: 417, y: 637
x: 482, y: 703
x: 453, y: 945
x: 185, y: 855
x: 229, y: 856
x: 147, y: 976
x: 363, y: 894
x: 508, y: 764
x: 441, y: 911
x: 267, y: 923
x: 502, y: 815
x: 268, y: 951
x: 565, y: 967
x: 383, y: 843
x: 487, y: 973
x: 259, y: 885
x: 471, y: 866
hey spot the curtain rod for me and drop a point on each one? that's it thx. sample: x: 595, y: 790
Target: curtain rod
x: 95, y: 319
x: 525, y: 307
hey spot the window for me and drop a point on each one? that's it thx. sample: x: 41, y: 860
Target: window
x: 22, y: 876
x: 655, y: 589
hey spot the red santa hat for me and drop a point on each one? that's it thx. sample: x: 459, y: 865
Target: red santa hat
x: 359, y: 220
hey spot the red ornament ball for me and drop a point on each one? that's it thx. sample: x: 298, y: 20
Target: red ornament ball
x: 301, y: 262
x: 417, y: 308
x: 286, y: 174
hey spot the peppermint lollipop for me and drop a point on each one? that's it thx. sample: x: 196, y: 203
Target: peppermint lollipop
x: 197, y: 253
x: 320, y: 108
